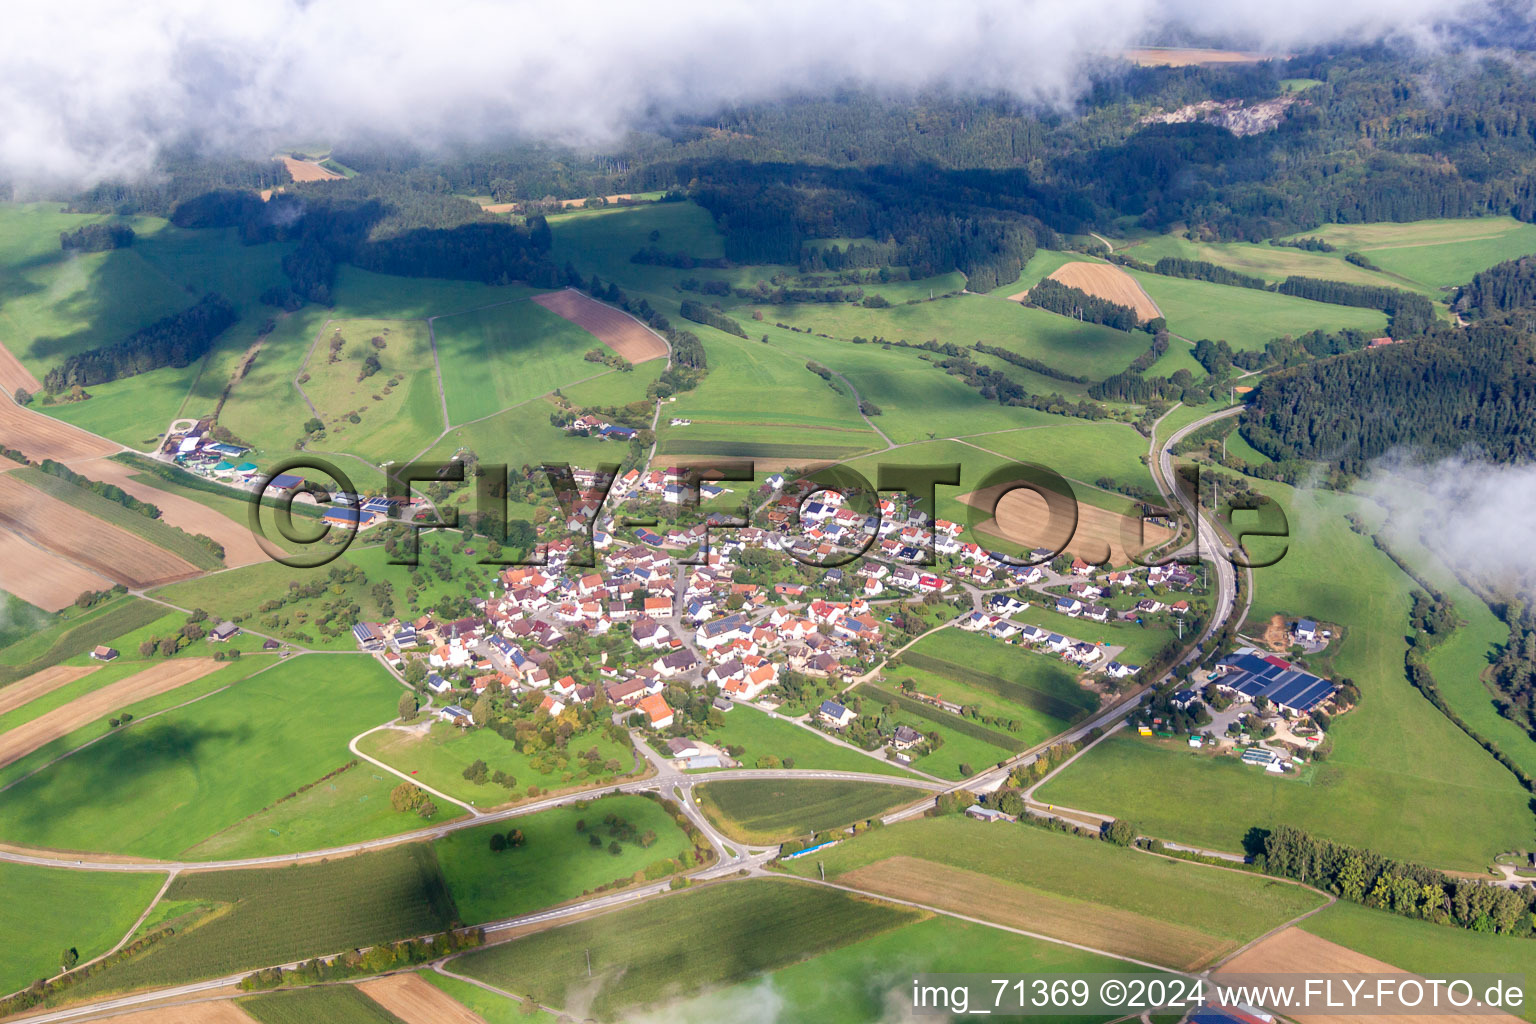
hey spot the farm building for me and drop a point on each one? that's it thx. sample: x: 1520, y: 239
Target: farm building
x: 103, y: 653
x: 1252, y: 674
x: 981, y: 813
x: 224, y: 631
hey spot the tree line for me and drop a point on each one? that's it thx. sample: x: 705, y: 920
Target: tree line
x: 1506, y: 286
x: 1052, y: 295
x: 706, y: 315
x: 98, y: 237
x: 176, y: 340
x: 1411, y: 313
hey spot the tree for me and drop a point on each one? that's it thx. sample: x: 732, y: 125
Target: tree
x: 478, y: 773
x: 407, y: 706
x: 427, y: 810
x: 515, y: 838
x: 593, y: 840
x: 1121, y: 833
x: 406, y: 797
x: 68, y: 959
x: 482, y: 710
x: 614, y: 848
x: 498, y: 842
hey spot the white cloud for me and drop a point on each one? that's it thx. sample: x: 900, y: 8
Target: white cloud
x: 95, y: 88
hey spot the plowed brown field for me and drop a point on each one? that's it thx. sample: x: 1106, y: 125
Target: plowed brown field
x: 42, y: 437
x: 13, y: 375
x: 240, y: 547
x: 1107, y: 281
x: 1019, y: 906
x: 44, y: 729
x: 222, y: 1012
x: 618, y: 330
x: 1101, y: 536
x: 1303, y: 954
x: 308, y: 170
x: 24, y: 691
x: 1179, y: 57
x: 417, y: 1002
x: 85, y: 540
x: 41, y: 577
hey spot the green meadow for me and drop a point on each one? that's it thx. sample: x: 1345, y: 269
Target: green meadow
x: 1435, y: 254
x: 1247, y: 318
x: 760, y: 734
x: 765, y: 811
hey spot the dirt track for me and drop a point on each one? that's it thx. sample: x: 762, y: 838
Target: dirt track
x: 619, y: 331
x: 1022, y: 517
x: 43, y: 437
x: 240, y: 547
x: 1107, y: 281
x: 979, y: 895
x: 222, y: 1012
x: 13, y: 375
x: 85, y: 540
x: 416, y: 1001
x: 44, y: 729
x: 1294, y: 951
x: 25, y: 691
x: 41, y: 577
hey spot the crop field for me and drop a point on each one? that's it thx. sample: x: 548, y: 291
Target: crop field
x: 162, y: 678
x: 234, y: 535
x: 155, y: 531
x: 439, y: 756
x: 42, y: 578
x: 1296, y: 951
x: 1184, y: 56
x: 965, y: 742
x: 1422, y: 947
x: 868, y: 981
x: 1026, y: 725
x: 490, y: 1007
x: 411, y: 999
x: 67, y: 531
x: 334, y: 1004
x: 1099, y: 537
x: 56, y: 908
x: 398, y: 406
x: 278, y: 915
x: 26, y: 690
x: 621, y: 332
x: 198, y: 770
x: 1247, y: 318
x: 1019, y: 676
x: 765, y: 811
x: 1068, y: 887
x: 1109, y: 282
x: 74, y: 633
x: 558, y: 862
x: 223, y: 1011
x: 502, y: 355
x: 1435, y: 253
x: 649, y: 954
x: 42, y: 437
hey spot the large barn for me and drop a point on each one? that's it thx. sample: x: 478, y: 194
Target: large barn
x: 1253, y: 674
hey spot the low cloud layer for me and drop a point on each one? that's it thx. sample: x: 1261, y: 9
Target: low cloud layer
x: 95, y: 88
x: 1476, y: 515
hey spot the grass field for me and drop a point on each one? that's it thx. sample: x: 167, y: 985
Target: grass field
x: 162, y: 786
x: 334, y: 1004
x: 1079, y: 450
x: 1435, y: 253
x: 1274, y: 263
x: 558, y: 863
x: 966, y: 743
x: 48, y: 910
x: 602, y: 241
x: 134, y: 411
x: 651, y: 954
x: 1139, y: 643
x: 278, y: 915
x: 506, y: 354
x: 1245, y: 317
x: 523, y: 436
x: 759, y: 734
x: 175, y: 541
x: 870, y: 981
x: 1426, y: 949
x: 394, y: 422
x: 439, y: 758
x: 765, y: 811
x: 1440, y: 800
x: 492, y: 1008
x: 1021, y: 677
x: 74, y: 632
x: 1042, y: 264
x: 1072, y: 888
x: 19, y: 620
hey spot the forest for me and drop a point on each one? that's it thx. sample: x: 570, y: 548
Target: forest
x: 1509, y: 285
x: 175, y: 340
x: 1453, y: 388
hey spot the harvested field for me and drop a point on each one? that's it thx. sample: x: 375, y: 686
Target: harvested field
x: 1181, y: 56
x: 42, y: 437
x: 618, y: 330
x: 565, y: 204
x: 414, y: 1001
x: 85, y: 540
x: 240, y: 546
x: 222, y: 1011
x: 1100, y: 537
x: 151, y: 682
x: 1294, y: 951
x: 13, y: 375
x: 1107, y: 281
x: 983, y: 896
x: 41, y: 577
x: 24, y: 691
x: 308, y: 170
